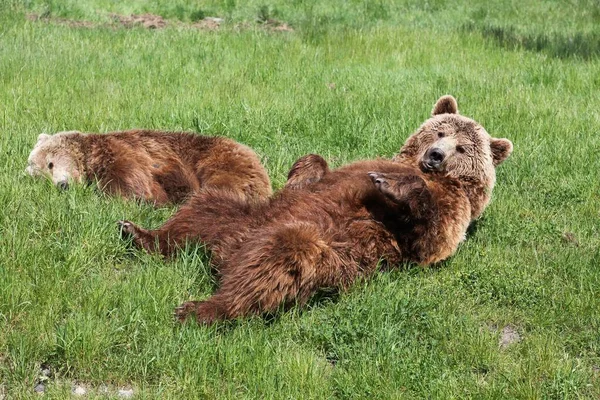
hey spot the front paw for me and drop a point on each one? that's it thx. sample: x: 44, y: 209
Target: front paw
x: 398, y: 187
x: 379, y: 180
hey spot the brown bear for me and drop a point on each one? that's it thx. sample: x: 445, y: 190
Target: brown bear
x: 160, y: 167
x: 332, y: 227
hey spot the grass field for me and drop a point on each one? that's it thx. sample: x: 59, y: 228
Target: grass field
x: 352, y: 80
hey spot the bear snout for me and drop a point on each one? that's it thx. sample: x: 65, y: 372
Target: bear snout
x: 62, y: 185
x: 433, y: 159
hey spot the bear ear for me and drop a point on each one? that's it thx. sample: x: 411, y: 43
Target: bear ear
x: 445, y: 105
x: 42, y: 137
x: 501, y: 149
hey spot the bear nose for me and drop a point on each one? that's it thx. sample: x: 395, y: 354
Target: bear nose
x: 435, y: 156
x: 63, y: 185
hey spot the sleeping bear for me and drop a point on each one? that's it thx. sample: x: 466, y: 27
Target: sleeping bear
x: 159, y: 167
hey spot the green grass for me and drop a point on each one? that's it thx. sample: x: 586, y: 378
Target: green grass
x: 74, y: 297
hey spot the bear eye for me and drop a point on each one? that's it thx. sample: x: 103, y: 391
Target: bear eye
x: 50, y: 165
x: 441, y: 134
x: 460, y: 149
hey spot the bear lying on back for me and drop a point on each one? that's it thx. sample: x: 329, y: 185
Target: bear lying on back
x: 160, y: 167
x: 327, y: 228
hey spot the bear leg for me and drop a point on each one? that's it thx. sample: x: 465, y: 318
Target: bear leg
x: 282, y: 267
x: 307, y: 169
x: 142, y: 238
x: 218, y: 218
x: 206, y: 312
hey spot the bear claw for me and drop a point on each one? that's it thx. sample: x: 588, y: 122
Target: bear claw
x: 184, y: 310
x: 126, y: 228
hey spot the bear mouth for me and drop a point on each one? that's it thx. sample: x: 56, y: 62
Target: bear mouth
x: 430, y: 167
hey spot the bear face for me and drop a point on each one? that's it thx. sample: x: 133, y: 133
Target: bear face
x: 53, y: 157
x: 457, y: 147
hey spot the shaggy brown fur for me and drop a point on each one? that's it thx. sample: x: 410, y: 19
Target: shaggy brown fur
x: 161, y: 167
x: 306, y: 170
x: 415, y: 208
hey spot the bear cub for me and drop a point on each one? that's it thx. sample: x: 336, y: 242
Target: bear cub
x: 159, y: 167
x: 328, y: 227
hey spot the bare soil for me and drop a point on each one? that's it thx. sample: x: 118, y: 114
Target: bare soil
x: 153, y: 21
x: 149, y: 21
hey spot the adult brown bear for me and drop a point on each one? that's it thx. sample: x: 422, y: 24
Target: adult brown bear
x: 160, y: 167
x: 331, y: 227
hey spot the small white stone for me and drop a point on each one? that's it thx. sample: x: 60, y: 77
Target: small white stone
x: 79, y: 390
x: 125, y: 393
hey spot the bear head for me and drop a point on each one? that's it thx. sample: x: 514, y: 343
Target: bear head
x: 56, y: 157
x: 459, y: 147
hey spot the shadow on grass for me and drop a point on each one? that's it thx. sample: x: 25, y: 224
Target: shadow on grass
x: 474, y: 226
x: 578, y: 45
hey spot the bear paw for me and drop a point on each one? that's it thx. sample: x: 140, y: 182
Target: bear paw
x: 185, y: 310
x: 206, y: 312
x: 398, y: 187
x: 127, y: 229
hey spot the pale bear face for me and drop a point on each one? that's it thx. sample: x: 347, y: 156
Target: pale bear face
x: 455, y: 145
x: 52, y: 157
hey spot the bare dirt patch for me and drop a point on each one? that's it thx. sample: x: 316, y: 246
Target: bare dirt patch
x: 61, y: 21
x: 208, y: 23
x: 153, y: 21
x: 570, y: 238
x: 509, y: 335
x: 148, y: 21
x: 276, y: 26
